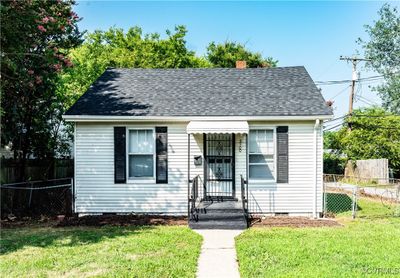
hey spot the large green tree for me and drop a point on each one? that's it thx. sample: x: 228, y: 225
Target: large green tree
x: 383, y: 48
x: 375, y: 133
x: 131, y: 49
x: 225, y: 55
x: 35, y: 39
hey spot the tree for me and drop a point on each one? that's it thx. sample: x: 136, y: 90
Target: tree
x: 131, y: 49
x: 226, y: 54
x: 383, y: 48
x: 334, y: 163
x: 36, y: 37
x: 331, y: 141
x: 334, y: 159
x: 375, y: 134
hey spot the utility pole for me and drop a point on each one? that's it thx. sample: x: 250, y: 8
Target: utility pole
x: 354, y: 77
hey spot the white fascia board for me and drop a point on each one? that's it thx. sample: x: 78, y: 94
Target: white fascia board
x: 200, y: 127
x: 89, y: 118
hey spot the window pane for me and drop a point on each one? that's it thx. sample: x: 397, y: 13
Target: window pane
x: 253, y: 141
x: 261, y: 136
x: 132, y: 141
x: 141, y: 166
x: 261, y: 171
x: 259, y: 158
x: 141, y: 141
x: 269, y: 135
x: 261, y: 141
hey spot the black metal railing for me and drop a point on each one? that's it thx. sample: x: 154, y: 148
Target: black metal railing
x: 194, y: 198
x: 244, y: 188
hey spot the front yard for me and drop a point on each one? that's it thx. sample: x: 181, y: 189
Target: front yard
x: 367, y: 245
x: 106, y: 252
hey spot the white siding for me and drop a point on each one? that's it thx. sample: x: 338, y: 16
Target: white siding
x: 96, y: 191
x: 95, y: 187
x: 240, y: 161
x: 297, y: 196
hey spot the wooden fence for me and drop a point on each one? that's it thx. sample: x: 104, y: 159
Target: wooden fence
x: 36, y: 170
x: 373, y: 169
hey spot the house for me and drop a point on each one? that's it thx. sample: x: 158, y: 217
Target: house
x: 165, y: 140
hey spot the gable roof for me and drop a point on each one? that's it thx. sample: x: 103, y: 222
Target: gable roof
x: 282, y: 91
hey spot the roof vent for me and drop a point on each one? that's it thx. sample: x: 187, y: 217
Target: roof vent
x: 241, y: 64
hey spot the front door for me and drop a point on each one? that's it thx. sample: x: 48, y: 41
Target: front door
x: 219, y: 166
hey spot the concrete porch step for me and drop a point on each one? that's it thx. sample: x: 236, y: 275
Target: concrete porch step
x: 219, y: 224
x: 227, y: 215
x: 221, y: 216
x: 222, y: 205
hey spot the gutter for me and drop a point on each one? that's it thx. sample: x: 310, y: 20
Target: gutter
x: 95, y: 118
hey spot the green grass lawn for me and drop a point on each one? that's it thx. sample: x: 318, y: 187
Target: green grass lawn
x: 101, y: 252
x: 358, y: 248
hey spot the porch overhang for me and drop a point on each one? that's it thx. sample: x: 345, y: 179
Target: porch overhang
x: 237, y: 127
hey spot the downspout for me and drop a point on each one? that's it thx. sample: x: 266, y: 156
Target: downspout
x: 73, y: 183
x: 188, y: 179
x: 315, y: 178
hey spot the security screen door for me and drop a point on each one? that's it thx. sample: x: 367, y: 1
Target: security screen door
x: 219, y: 168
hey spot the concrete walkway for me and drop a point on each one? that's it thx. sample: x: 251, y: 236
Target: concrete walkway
x: 218, y: 254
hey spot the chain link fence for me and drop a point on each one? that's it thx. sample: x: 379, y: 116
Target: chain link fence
x: 37, y: 198
x: 345, y: 195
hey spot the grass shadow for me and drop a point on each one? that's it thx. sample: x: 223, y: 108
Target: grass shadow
x: 12, y: 240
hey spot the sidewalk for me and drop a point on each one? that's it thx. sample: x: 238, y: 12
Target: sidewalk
x: 218, y: 254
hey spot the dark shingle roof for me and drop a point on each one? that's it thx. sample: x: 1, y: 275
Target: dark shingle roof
x: 286, y: 91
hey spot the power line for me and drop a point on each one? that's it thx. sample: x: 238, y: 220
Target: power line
x: 364, y: 99
x: 358, y: 80
x: 354, y: 61
x: 374, y: 116
x: 366, y: 102
x: 333, y: 127
x: 339, y: 118
x: 374, y: 126
x: 360, y: 125
x: 341, y: 92
x: 334, y: 63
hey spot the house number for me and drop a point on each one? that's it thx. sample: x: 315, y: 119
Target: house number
x: 240, y: 145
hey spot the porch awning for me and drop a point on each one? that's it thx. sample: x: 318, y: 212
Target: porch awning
x: 217, y: 127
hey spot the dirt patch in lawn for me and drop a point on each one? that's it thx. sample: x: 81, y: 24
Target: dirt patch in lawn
x: 96, y: 221
x: 122, y: 220
x: 294, y: 222
x: 28, y: 222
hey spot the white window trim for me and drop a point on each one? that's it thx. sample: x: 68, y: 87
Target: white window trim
x: 273, y: 128
x: 142, y: 179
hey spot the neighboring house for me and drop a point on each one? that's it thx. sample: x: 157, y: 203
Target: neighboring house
x: 140, y: 133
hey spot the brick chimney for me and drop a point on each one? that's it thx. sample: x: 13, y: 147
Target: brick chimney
x: 241, y: 64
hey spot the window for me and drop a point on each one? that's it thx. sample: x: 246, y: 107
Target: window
x: 141, y: 154
x: 261, y: 154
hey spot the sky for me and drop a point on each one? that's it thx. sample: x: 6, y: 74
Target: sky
x: 312, y: 34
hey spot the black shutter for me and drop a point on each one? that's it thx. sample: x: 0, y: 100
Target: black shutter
x: 283, y: 154
x: 119, y: 154
x: 161, y: 155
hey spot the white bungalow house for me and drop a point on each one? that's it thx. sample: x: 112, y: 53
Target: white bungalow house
x: 175, y: 141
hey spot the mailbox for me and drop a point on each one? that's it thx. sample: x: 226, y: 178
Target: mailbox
x: 198, y: 160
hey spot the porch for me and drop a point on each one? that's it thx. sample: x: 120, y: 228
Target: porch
x: 217, y: 188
